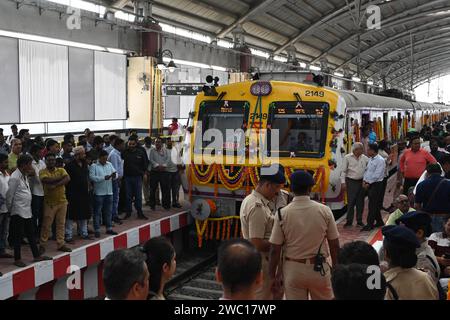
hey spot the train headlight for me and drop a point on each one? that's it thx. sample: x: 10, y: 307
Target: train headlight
x: 261, y: 88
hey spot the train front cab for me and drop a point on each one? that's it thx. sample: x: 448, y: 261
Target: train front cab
x: 310, y: 124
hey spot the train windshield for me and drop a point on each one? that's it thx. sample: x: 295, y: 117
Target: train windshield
x: 222, y: 116
x: 302, y: 128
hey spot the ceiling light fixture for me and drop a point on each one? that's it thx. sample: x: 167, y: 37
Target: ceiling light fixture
x: 163, y: 56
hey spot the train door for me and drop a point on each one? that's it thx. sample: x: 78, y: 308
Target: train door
x: 365, y: 118
x: 386, y: 125
x: 400, y: 125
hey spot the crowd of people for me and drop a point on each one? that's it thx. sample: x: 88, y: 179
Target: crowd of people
x: 413, y: 263
x: 400, y: 272
x: 298, y: 240
x: 290, y: 247
x: 422, y: 175
x: 47, y: 187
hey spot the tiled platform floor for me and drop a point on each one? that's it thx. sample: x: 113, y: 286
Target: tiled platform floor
x: 353, y: 233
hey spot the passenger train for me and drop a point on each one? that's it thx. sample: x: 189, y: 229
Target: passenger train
x: 316, y: 129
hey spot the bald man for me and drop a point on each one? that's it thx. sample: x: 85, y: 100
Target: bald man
x: 402, y: 205
x: 239, y: 270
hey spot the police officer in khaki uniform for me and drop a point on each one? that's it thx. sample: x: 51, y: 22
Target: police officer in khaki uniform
x: 300, y: 229
x: 257, y: 218
x: 281, y: 200
x: 404, y: 280
x: 420, y: 224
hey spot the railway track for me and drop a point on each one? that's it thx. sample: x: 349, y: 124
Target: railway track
x: 194, y: 279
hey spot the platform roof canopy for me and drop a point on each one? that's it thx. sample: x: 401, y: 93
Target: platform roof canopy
x: 326, y: 32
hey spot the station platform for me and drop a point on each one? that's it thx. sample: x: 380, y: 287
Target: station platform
x: 78, y: 274
x: 373, y: 237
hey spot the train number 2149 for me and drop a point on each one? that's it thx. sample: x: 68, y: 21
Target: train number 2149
x: 311, y: 93
x: 256, y: 116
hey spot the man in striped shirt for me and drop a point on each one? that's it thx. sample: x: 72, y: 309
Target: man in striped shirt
x: 440, y: 242
x: 159, y: 160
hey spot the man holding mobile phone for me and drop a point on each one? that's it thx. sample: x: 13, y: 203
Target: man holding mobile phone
x: 102, y: 174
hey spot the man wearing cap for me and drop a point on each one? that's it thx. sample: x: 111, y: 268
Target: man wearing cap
x: 404, y: 281
x: 420, y: 224
x: 300, y: 229
x: 257, y: 218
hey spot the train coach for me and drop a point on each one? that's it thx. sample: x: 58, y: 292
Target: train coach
x: 299, y: 125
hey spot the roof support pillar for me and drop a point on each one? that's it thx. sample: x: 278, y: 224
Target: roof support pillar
x: 412, y: 62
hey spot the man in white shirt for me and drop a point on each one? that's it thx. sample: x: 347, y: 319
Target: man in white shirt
x: 18, y: 202
x: 37, y: 191
x: 159, y: 159
x: 4, y: 215
x: 440, y: 242
x: 373, y: 182
x: 173, y: 168
x: 353, y: 169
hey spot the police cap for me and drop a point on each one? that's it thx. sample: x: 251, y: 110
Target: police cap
x: 414, y: 220
x: 400, y: 235
x: 273, y: 174
x: 301, y: 178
